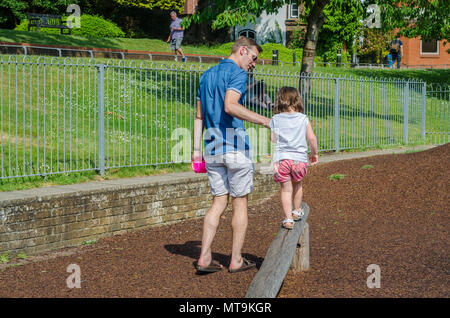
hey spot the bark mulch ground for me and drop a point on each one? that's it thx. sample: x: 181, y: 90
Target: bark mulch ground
x: 393, y: 214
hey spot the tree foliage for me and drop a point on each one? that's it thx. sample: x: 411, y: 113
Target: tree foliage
x: 339, y: 19
x: 341, y: 25
x: 228, y: 13
x: 372, y: 44
x: 427, y: 19
x: 177, y: 5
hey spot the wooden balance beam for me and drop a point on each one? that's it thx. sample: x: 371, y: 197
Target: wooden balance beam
x: 290, y: 249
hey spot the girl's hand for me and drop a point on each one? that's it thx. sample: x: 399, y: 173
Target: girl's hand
x: 313, y: 159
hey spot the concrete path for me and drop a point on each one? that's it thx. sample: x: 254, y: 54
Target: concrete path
x: 171, y: 177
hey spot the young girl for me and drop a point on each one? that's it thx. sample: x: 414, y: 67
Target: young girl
x: 290, y: 130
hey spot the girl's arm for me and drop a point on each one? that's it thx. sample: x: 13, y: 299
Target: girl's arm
x: 312, y: 142
x: 273, y: 137
x: 273, y: 132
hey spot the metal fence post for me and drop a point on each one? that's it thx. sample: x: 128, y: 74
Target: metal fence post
x: 405, y: 113
x: 336, y: 114
x: 101, y: 118
x: 274, y: 57
x: 424, y: 104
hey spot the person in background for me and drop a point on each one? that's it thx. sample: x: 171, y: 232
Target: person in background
x: 256, y: 95
x: 176, y: 35
x: 389, y: 60
x: 396, y: 50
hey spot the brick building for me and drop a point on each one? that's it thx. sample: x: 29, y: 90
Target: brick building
x: 422, y: 54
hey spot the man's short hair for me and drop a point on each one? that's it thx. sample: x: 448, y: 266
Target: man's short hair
x: 244, y: 41
x: 173, y: 12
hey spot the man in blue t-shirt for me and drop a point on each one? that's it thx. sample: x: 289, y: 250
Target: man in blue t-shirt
x: 176, y: 35
x: 227, y: 149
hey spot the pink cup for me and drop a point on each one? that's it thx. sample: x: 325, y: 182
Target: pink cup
x: 199, y: 166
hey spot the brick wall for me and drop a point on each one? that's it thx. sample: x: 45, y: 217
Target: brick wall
x: 39, y: 220
x: 412, y: 56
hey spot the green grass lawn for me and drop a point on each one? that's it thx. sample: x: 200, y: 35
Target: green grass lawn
x: 49, y: 111
x: 155, y: 45
x: 143, y: 44
x: 80, y: 41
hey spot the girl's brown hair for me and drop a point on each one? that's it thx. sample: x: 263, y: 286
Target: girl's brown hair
x: 288, y: 97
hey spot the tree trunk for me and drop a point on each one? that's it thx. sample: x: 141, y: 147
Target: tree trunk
x: 315, y: 21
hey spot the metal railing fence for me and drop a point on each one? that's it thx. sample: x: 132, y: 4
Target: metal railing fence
x: 437, y: 117
x: 50, y: 50
x: 64, y: 115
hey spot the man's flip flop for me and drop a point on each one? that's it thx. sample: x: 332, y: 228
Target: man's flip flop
x: 246, y: 264
x: 213, y: 267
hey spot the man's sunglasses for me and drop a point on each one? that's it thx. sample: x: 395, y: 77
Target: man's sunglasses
x: 254, y: 56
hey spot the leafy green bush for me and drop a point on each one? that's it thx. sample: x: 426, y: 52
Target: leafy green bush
x: 332, y: 54
x: 96, y: 26
x: 223, y: 49
x: 91, y: 26
x: 298, y: 37
x: 284, y: 53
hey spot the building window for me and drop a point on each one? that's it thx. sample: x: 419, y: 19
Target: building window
x: 248, y: 33
x: 293, y: 11
x: 429, y: 47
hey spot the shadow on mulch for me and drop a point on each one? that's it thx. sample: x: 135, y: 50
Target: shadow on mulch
x: 191, y: 249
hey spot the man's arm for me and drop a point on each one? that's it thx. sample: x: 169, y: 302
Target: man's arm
x: 233, y: 108
x: 198, y: 132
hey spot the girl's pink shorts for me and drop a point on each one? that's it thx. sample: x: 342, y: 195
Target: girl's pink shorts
x: 287, y: 169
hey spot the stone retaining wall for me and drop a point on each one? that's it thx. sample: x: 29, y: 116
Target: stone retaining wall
x: 47, y: 219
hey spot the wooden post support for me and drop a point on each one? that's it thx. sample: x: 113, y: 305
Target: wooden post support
x: 300, y: 261
x: 270, y: 276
